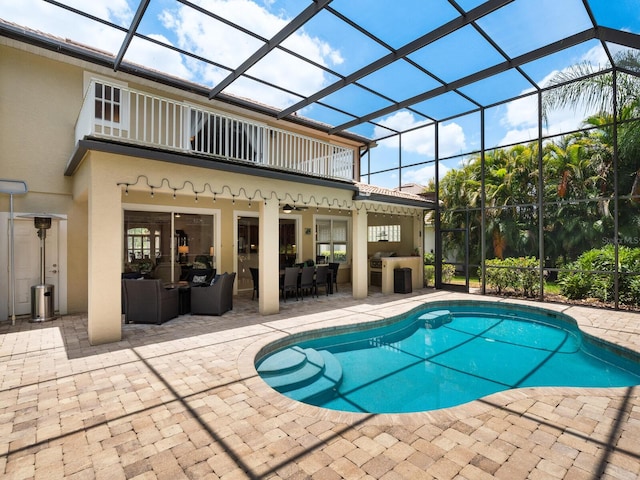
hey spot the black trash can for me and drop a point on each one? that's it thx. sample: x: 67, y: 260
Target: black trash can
x: 402, y: 280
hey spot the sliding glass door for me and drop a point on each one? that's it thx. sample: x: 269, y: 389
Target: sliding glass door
x: 167, y: 245
x: 247, y: 249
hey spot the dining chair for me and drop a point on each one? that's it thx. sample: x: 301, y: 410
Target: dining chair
x: 256, y: 283
x: 334, y: 269
x: 322, y: 279
x: 306, y: 280
x: 290, y: 282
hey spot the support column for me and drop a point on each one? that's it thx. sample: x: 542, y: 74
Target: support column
x: 269, y: 265
x: 418, y: 242
x: 104, y: 255
x: 359, y: 259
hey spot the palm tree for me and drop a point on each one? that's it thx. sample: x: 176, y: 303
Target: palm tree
x: 582, y: 85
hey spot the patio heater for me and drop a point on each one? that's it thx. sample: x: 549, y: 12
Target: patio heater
x: 42, y: 295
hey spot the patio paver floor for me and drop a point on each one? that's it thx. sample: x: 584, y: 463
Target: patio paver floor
x: 182, y: 400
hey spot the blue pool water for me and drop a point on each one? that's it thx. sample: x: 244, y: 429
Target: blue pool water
x: 444, y: 356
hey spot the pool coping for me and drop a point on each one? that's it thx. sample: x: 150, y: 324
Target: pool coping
x: 360, y: 314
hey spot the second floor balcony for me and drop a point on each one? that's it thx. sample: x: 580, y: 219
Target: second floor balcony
x: 119, y: 113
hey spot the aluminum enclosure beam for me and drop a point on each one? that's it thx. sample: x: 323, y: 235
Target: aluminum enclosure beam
x: 306, y: 15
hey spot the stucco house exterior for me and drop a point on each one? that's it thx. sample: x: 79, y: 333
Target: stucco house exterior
x: 144, y: 173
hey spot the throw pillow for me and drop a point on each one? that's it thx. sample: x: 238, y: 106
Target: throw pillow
x: 199, y: 278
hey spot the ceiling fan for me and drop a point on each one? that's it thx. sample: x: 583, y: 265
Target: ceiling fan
x: 286, y: 208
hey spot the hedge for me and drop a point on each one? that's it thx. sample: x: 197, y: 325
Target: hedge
x: 586, y: 283
x: 520, y: 275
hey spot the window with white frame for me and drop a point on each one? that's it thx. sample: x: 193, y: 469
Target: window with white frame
x: 383, y: 233
x: 110, y: 104
x: 332, y: 239
x: 143, y: 243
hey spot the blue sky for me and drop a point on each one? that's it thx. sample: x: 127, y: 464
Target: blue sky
x: 334, y: 46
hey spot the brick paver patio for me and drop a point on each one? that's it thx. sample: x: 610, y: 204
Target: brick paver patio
x: 182, y: 400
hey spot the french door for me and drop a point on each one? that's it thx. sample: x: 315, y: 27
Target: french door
x: 247, y: 249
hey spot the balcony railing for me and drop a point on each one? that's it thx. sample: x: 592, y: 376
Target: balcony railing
x: 117, y: 112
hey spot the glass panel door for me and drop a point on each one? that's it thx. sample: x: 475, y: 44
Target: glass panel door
x: 288, y: 243
x: 167, y: 245
x: 248, y: 247
x: 455, y: 259
x: 147, y: 242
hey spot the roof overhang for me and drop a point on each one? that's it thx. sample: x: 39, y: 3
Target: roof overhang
x: 99, y: 145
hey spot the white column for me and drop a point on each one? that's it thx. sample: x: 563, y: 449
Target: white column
x: 269, y: 278
x: 359, y: 259
x: 104, y: 255
x: 418, y: 232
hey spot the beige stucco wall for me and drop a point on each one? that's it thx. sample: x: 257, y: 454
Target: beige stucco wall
x: 407, y: 234
x: 40, y: 101
x: 41, y: 95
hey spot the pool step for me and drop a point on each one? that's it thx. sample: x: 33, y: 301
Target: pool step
x: 436, y: 318
x: 302, y: 373
x: 284, y: 361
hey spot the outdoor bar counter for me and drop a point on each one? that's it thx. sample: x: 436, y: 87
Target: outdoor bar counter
x: 391, y: 263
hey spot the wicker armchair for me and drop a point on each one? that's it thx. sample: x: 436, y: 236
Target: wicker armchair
x: 147, y: 301
x: 214, y: 299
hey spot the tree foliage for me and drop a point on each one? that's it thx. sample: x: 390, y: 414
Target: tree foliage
x: 577, y: 182
x: 586, y: 277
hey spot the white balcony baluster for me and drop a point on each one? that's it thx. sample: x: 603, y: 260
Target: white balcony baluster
x: 146, y: 119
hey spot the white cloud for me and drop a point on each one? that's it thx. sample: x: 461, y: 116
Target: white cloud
x: 521, y: 113
x: 521, y: 116
x: 402, y: 120
x: 452, y: 138
x: 229, y: 47
x: 152, y: 55
x: 598, y: 56
x: 197, y: 33
x: 56, y: 21
x: 424, y: 174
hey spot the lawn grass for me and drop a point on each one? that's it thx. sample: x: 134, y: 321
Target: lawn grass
x: 474, y: 282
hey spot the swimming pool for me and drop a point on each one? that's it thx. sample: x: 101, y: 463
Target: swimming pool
x: 443, y: 355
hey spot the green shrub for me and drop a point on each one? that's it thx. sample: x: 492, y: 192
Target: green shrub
x: 574, y: 286
x: 448, y: 271
x: 519, y: 275
x: 587, y: 283
x: 429, y: 259
x: 429, y: 274
x: 529, y: 276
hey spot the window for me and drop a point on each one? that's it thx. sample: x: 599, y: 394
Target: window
x: 110, y: 104
x: 107, y: 103
x: 383, y: 233
x: 166, y: 245
x: 331, y: 239
x: 142, y: 244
